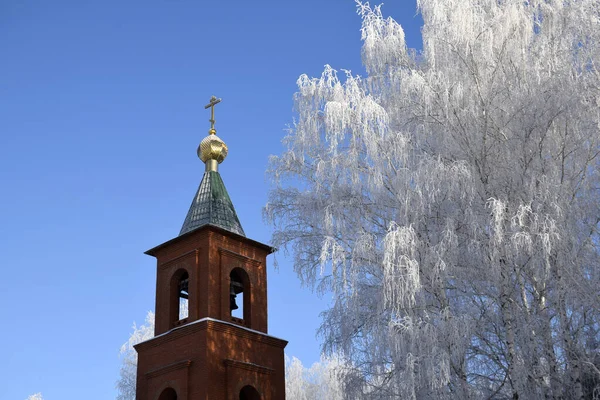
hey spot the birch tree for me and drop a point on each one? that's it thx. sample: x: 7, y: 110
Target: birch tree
x: 323, y: 380
x: 127, y: 375
x: 449, y: 201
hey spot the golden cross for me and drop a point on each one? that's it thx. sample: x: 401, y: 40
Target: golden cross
x: 213, y: 101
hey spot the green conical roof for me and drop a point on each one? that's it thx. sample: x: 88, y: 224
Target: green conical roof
x: 212, y: 206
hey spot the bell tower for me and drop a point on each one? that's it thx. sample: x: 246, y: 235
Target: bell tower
x: 211, y: 340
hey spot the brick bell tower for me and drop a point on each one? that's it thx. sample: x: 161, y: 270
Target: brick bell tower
x: 211, y: 340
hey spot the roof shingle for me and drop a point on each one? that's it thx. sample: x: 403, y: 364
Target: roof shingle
x: 212, y: 206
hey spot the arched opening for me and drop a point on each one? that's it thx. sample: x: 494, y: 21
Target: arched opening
x: 168, y: 394
x: 239, y: 296
x: 184, y: 283
x: 180, y: 297
x: 249, y: 393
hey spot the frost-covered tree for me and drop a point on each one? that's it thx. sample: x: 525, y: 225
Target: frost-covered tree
x: 323, y: 380
x: 127, y: 375
x: 450, y: 202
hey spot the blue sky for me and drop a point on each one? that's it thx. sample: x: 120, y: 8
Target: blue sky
x: 101, y: 111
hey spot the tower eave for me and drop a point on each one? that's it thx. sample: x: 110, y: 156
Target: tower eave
x: 155, y: 250
x: 210, y: 323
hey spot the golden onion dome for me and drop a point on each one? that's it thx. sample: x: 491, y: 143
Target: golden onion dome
x: 212, y: 148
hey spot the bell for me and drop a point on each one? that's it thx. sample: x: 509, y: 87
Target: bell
x: 232, y: 304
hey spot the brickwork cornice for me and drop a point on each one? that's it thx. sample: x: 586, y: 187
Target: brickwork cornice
x: 174, y: 260
x: 168, y: 368
x: 248, y: 366
x: 239, y: 257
